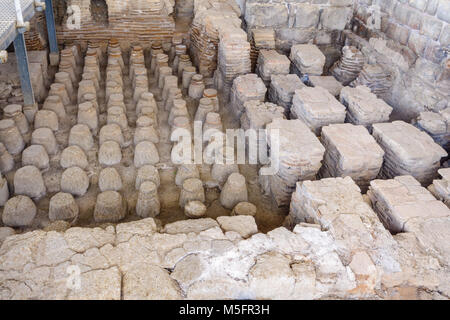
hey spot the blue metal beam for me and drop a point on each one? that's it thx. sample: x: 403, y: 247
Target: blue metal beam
x: 24, y: 72
x: 50, y: 18
x: 51, y: 30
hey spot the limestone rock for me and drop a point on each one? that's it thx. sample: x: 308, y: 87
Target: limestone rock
x: 244, y: 209
x: 401, y: 200
x: 299, y: 158
x: 245, y: 88
x: 75, y: 181
x: 81, y: 136
x: 282, y: 89
x: 317, y: 108
x: 195, y: 209
x: 351, y: 151
x: 46, y: 138
x: 19, y: 211
x: 36, y: 155
x: 28, y: 182
x: 408, y: 151
x: 308, y: 59
x: 63, y: 207
x: 148, y: 204
x: 110, y: 207
x: 192, y: 191
x: 188, y: 226
x: 234, y: 191
x: 147, y: 173
x: 109, y: 180
x: 364, y: 107
x: 329, y: 83
x: 244, y: 225
x: 73, y: 156
x: 270, y: 62
x: 145, y: 154
x: 110, y: 153
x: 149, y: 282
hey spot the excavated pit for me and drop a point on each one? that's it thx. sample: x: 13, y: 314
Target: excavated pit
x: 357, y: 112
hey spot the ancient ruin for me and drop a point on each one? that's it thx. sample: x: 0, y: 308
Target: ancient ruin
x: 225, y: 149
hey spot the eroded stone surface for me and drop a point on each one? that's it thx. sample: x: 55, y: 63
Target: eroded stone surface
x: 203, y: 263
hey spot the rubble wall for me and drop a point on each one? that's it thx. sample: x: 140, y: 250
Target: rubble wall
x: 299, y: 21
x: 414, y: 48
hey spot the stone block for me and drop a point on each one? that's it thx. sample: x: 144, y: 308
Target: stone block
x: 432, y: 6
x: 335, y: 18
x: 401, y: 12
x: 445, y: 36
x: 402, y: 199
x: 282, y: 89
x: 327, y: 82
x: 418, y: 4
x: 300, y: 157
x: 271, y: 63
x: 317, y: 108
x: 287, y: 37
x: 417, y: 43
x: 409, y: 151
x: 443, y: 11
x: 398, y: 33
x: 245, y: 88
x: 431, y: 27
x: 308, y: 59
x: 386, y: 5
x: 306, y: 15
x: 341, y: 3
x: 364, y: 108
x: 266, y: 15
x: 351, y: 151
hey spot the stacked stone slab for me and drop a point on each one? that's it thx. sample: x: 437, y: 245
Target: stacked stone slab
x: 317, y: 108
x: 298, y: 158
x: 270, y: 62
x: 233, y: 57
x: 282, y: 89
x: 257, y: 114
x: 441, y: 187
x: 363, y: 107
x: 408, y: 151
x: 260, y: 39
x: 211, y: 19
x: 327, y: 82
x: 349, y: 66
x: 376, y: 78
x: 337, y: 205
x: 405, y: 207
x: 402, y: 202
x: 351, y: 151
x: 437, y: 125
x: 245, y: 88
x: 308, y: 59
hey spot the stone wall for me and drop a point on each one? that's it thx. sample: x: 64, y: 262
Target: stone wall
x: 299, y: 21
x: 411, y: 38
